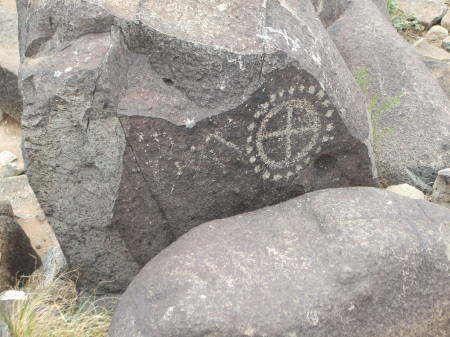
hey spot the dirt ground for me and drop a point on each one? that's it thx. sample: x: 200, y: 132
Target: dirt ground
x: 11, y: 4
x: 16, y: 189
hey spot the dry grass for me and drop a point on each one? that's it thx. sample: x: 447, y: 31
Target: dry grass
x: 56, y: 311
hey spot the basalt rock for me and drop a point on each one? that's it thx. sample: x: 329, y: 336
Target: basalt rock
x: 145, y: 119
x: 337, y: 262
x: 407, y: 101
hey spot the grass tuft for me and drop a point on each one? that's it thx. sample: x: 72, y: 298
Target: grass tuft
x: 56, y: 311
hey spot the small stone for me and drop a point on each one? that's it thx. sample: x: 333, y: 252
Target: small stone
x: 10, y: 170
x: 7, y: 157
x: 446, y: 44
x: 446, y: 21
x: 426, y: 49
x: 436, y: 33
x: 427, y: 12
x: 407, y: 190
x: 441, y: 188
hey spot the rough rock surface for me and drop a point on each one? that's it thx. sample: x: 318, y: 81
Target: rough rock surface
x: 427, y: 12
x: 17, y: 257
x: 441, y: 72
x: 53, y: 265
x: 345, y: 262
x: 441, y: 188
x: 405, y: 149
x: 10, y: 96
x: 141, y: 123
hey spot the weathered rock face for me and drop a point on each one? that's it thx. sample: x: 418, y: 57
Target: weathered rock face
x: 10, y: 96
x: 343, y: 262
x: 17, y: 256
x: 427, y: 12
x: 141, y: 123
x: 411, y: 140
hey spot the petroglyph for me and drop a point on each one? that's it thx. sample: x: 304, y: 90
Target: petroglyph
x: 287, y: 130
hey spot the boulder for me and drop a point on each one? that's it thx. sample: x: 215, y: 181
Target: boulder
x: 411, y: 114
x: 437, y: 33
x: 17, y: 256
x: 446, y: 44
x: 53, y: 265
x: 441, y: 188
x: 446, y: 21
x: 407, y: 191
x: 427, y: 12
x: 426, y: 49
x: 142, y: 122
x: 10, y: 96
x: 338, y: 262
x: 441, y: 72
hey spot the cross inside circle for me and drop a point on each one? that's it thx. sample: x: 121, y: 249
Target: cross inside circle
x: 307, y: 122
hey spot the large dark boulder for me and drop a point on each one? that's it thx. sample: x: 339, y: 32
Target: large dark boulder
x: 412, y: 131
x: 10, y: 96
x: 143, y: 120
x: 338, y: 262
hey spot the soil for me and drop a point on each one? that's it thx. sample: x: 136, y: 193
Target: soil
x: 11, y: 4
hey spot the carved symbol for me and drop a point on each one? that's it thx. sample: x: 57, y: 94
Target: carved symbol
x: 301, y: 121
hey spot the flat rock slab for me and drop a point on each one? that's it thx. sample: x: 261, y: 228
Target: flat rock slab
x: 337, y: 262
x: 10, y: 96
x: 144, y: 120
x: 410, y: 112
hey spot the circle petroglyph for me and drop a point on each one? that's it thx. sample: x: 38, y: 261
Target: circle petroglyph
x: 288, y: 132
x: 294, y: 127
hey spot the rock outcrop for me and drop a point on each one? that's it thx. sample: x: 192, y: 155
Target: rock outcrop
x: 143, y: 120
x: 340, y: 262
x: 411, y: 114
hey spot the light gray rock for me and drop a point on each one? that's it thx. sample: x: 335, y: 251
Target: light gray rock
x: 140, y: 125
x: 446, y: 44
x: 406, y: 190
x: 437, y: 33
x: 427, y: 12
x: 10, y: 96
x: 426, y: 49
x: 405, y: 149
x: 345, y: 262
x: 441, y: 188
